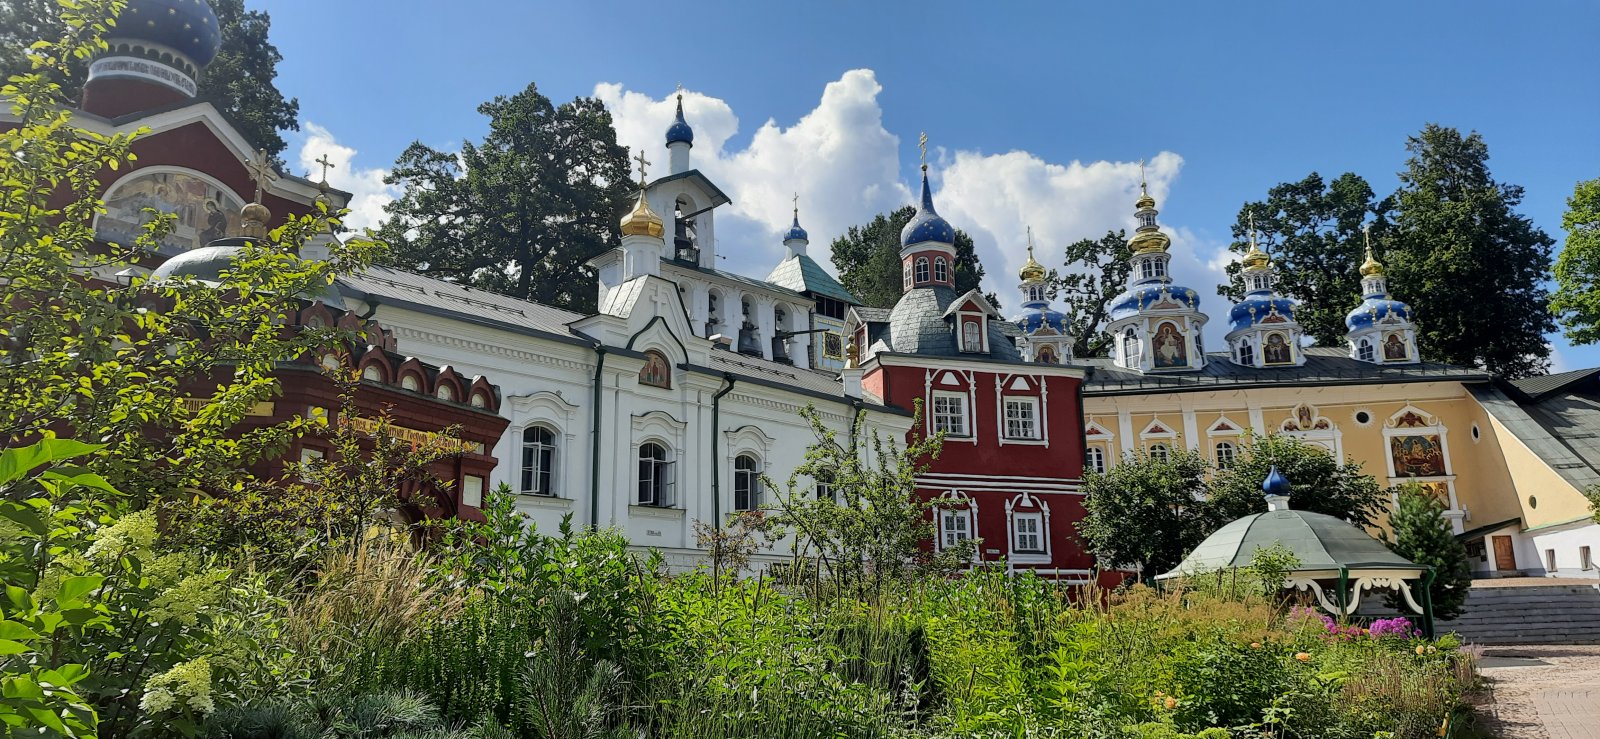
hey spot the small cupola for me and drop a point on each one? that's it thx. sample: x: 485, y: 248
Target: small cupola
x: 927, y: 242
x: 680, y: 139
x: 152, y: 57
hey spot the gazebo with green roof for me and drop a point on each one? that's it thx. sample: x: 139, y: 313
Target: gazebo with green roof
x: 1338, y: 561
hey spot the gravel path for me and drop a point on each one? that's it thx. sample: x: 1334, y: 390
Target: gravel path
x: 1542, y: 692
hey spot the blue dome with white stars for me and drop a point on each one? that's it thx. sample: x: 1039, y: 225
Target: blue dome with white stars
x: 1257, y: 307
x: 1376, y: 309
x: 1034, y: 319
x: 679, y: 131
x: 190, y: 26
x: 795, y: 231
x: 927, y: 224
x: 1153, y: 296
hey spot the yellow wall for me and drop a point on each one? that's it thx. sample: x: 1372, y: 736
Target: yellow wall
x: 1558, y: 500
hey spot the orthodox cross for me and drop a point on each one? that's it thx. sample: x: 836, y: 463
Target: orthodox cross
x: 1030, y: 242
x: 326, y: 164
x: 797, y: 207
x: 1141, y: 176
x: 642, y: 164
x: 1252, y: 216
x: 260, y: 171
x: 922, y: 144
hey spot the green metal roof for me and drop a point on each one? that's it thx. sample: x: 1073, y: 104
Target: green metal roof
x: 1321, y: 543
x: 803, y: 274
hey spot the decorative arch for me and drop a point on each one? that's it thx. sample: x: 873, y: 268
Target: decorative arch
x: 956, y: 520
x: 1028, y: 529
x: 412, y: 376
x: 206, y: 209
x: 1306, y: 422
x: 375, y: 366
x: 657, y: 370
x: 483, y: 394
x: 448, y: 386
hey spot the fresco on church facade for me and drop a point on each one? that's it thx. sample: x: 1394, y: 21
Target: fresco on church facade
x: 1417, y: 456
x: 1169, y: 348
x: 1277, y: 350
x: 203, y: 212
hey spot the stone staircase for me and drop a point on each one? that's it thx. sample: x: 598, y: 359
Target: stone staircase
x: 1529, y: 614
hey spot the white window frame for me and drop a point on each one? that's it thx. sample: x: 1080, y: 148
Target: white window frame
x: 921, y: 271
x: 1027, y: 506
x: 951, y: 535
x: 1164, y: 456
x: 1094, y: 459
x: 661, y: 479
x: 1035, y: 429
x: 1246, y: 352
x: 527, y: 473
x: 941, y: 269
x: 1232, y: 454
x: 1365, y: 351
x: 972, y: 343
x: 964, y: 415
x: 1034, y: 520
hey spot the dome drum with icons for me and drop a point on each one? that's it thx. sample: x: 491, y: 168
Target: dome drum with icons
x: 1262, y: 330
x: 1155, y: 325
x: 1381, y: 330
x: 1046, y: 332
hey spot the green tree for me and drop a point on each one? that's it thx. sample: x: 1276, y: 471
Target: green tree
x: 520, y: 212
x: 1312, y: 229
x: 1321, y: 484
x: 239, y: 81
x: 1096, y: 271
x: 854, y: 508
x: 1473, y: 267
x: 1577, y: 298
x: 1147, y: 513
x: 868, y: 260
x: 1424, y: 536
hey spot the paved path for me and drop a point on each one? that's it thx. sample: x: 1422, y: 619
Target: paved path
x: 1543, y: 692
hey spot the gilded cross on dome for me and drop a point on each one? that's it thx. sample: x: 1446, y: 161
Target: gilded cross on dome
x: 1141, y: 176
x: 797, y: 206
x: 260, y: 171
x: 642, y: 164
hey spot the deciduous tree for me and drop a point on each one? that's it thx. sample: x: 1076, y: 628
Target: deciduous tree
x: 1577, y: 298
x: 1471, y: 266
x: 1313, y: 230
x: 1146, y: 513
x: 1096, y: 271
x: 520, y: 212
x: 868, y: 260
x: 1320, y: 483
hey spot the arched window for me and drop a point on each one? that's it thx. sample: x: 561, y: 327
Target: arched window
x: 905, y: 277
x: 372, y: 372
x: 971, y: 338
x: 1159, y: 453
x: 1147, y: 269
x: 1159, y: 266
x: 1147, y: 219
x: 1364, y: 351
x: 1094, y: 460
x: 922, y: 270
x: 410, y: 382
x: 941, y: 270
x: 1227, y: 453
x: 746, y: 483
x: 1130, y: 349
x: 538, y: 461
x: 655, y: 476
x: 1247, y: 353
x: 445, y: 391
x: 657, y: 372
x: 824, y: 486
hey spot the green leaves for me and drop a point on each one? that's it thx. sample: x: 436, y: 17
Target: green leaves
x: 1577, y: 269
x: 18, y: 461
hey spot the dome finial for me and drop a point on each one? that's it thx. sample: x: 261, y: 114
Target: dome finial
x: 1276, y: 486
x: 253, y: 218
x: 1032, y: 270
x: 926, y: 225
x: 1144, y: 201
x: 642, y: 221
x: 680, y: 132
x: 1255, y: 258
x: 795, y: 231
x: 922, y: 146
x: 1371, y: 267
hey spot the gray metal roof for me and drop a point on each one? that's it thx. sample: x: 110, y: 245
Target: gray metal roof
x: 1563, y: 430
x: 917, y: 326
x: 802, y: 274
x: 1534, y: 387
x: 872, y: 315
x: 1321, y: 542
x: 751, y: 281
x: 718, y: 197
x: 756, y: 368
x: 1324, y: 366
x: 393, y: 287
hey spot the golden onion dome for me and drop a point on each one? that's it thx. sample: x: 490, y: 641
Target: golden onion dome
x: 1255, y: 258
x: 253, y: 219
x: 1144, y: 201
x: 1149, y: 242
x: 1371, y: 267
x: 641, y: 221
x: 1032, y: 271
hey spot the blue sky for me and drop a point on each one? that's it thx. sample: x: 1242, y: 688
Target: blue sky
x: 1037, y: 111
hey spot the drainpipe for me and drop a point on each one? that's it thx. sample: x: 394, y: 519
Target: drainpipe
x: 594, y: 450
x: 1344, y: 582
x: 1427, y: 601
x: 716, y: 468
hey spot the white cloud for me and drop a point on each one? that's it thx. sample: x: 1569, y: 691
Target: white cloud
x: 846, y: 167
x: 368, y: 194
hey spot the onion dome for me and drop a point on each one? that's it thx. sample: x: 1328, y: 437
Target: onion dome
x: 1040, y: 318
x: 795, y: 232
x: 680, y: 132
x: 1031, y: 271
x: 1255, y: 258
x: 927, y: 224
x: 187, y: 26
x: 1260, y: 309
x: 1153, y: 296
x: 1147, y: 237
x: 1146, y: 242
x: 1276, y: 483
x: 1377, y: 309
x: 1371, y: 267
x: 642, y: 221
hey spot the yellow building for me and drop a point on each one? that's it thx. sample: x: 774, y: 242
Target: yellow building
x: 1508, y: 459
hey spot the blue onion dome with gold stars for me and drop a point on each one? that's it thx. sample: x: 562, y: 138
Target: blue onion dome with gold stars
x: 189, y: 26
x: 927, y: 224
x: 1261, y: 303
x: 1153, y: 295
x: 1036, y: 311
x: 680, y: 132
x: 1376, y: 304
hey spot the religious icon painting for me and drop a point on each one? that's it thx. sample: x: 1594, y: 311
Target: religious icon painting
x: 1417, y: 456
x: 1169, y: 348
x: 1277, y: 350
x: 1394, y: 348
x: 202, y: 212
x: 657, y: 372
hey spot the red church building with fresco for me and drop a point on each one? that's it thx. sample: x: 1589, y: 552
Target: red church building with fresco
x: 193, y: 163
x: 999, y: 390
